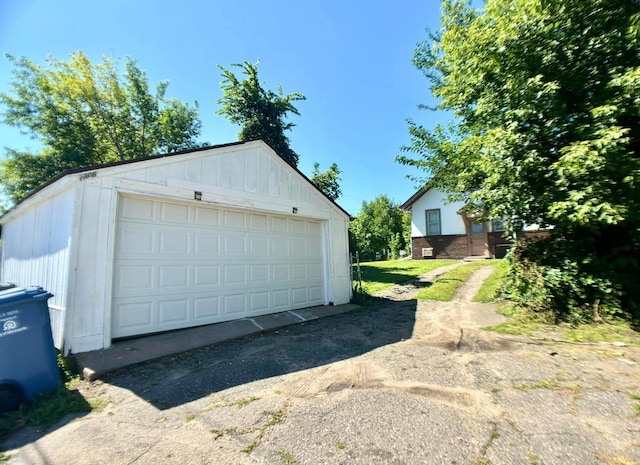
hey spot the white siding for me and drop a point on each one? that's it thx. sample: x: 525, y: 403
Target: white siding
x: 451, y: 222
x: 36, y: 251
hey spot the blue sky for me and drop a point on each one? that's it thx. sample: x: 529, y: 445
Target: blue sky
x: 350, y: 58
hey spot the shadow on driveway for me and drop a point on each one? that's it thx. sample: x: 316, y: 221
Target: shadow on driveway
x: 179, y: 379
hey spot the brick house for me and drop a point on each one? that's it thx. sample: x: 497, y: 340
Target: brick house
x: 441, y: 229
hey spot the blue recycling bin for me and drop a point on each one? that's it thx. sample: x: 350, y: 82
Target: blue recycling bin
x: 28, y: 361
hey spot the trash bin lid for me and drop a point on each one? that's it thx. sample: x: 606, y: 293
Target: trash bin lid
x: 20, y: 293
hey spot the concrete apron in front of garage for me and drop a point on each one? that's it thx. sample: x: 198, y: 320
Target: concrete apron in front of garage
x: 127, y: 352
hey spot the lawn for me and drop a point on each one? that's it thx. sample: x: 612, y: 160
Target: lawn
x: 377, y: 276
x: 445, y: 287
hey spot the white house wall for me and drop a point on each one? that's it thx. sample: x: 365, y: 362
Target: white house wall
x: 248, y: 176
x: 451, y: 221
x: 36, y: 251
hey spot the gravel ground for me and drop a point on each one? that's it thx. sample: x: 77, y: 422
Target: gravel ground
x: 401, y: 383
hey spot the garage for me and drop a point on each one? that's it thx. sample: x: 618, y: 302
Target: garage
x: 175, y: 241
x: 178, y: 265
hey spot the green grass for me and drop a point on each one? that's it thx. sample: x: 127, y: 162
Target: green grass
x: 377, y: 276
x: 636, y: 406
x: 45, y: 410
x: 527, y: 323
x: 488, y: 290
x: 445, y: 287
x: 246, y: 401
x: 287, y: 457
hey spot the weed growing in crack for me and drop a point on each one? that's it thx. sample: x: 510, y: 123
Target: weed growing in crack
x: 544, y: 384
x: 533, y: 459
x: 242, y: 402
x: 277, y: 418
x: 287, y: 457
x: 636, y: 406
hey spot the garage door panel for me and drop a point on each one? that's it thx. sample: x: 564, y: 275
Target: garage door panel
x: 206, y: 217
x: 180, y: 265
x: 206, y: 243
x: 206, y: 275
x: 258, y: 246
x: 315, y: 271
x: 314, y: 249
x: 174, y: 213
x: 173, y: 276
x: 316, y: 295
x: 206, y: 309
x: 174, y: 242
x: 235, y: 274
x: 259, y: 222
x: 280, y: 299
x: 135, y: 316
x: 279, y: 247
x: 234, y: 304
x: 259, y: 274
x: 234, y: 244
x: 279, y: 225
x: 131, y: 278
x: 172, y: 311
x: 259, y: 302
x: 234, y: 220
x: 135, y: 241
x: 298, y: 247
x: 299, y: 296
x: 280, y: 272
x: 314, y: 229
x: 297, y: 227
x: 136, y: 209
x: 298, y: 271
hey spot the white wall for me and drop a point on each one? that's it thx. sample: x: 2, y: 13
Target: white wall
x: 36, y: 250
x: 451, y: 222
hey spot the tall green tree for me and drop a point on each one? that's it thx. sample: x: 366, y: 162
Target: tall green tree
x: 379, y: 228
x: 260, y: 112
x: 546, y: 130
x: 327, y: 181
x: 85, y: 113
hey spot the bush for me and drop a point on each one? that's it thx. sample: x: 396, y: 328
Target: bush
x: 552, y: 275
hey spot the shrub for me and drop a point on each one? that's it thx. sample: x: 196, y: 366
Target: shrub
x: 552, y: 275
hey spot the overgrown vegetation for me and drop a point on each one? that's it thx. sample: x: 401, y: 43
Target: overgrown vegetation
x: 45, y: 410
x: 526, y: 322
x: 49, y: 408
x: 546, y: 131
x: 556, y: 276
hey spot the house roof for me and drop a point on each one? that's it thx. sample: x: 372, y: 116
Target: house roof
x: 154, y: 157
x: 415, y: 197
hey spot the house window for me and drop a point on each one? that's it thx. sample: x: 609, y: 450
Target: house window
x: 433, y: 222
x: 498, y: 224
x: 477, y: 227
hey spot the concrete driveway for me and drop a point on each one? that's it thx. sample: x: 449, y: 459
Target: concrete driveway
x: 402, y: 383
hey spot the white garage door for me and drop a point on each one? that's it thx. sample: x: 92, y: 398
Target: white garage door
x: 179, y: 265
